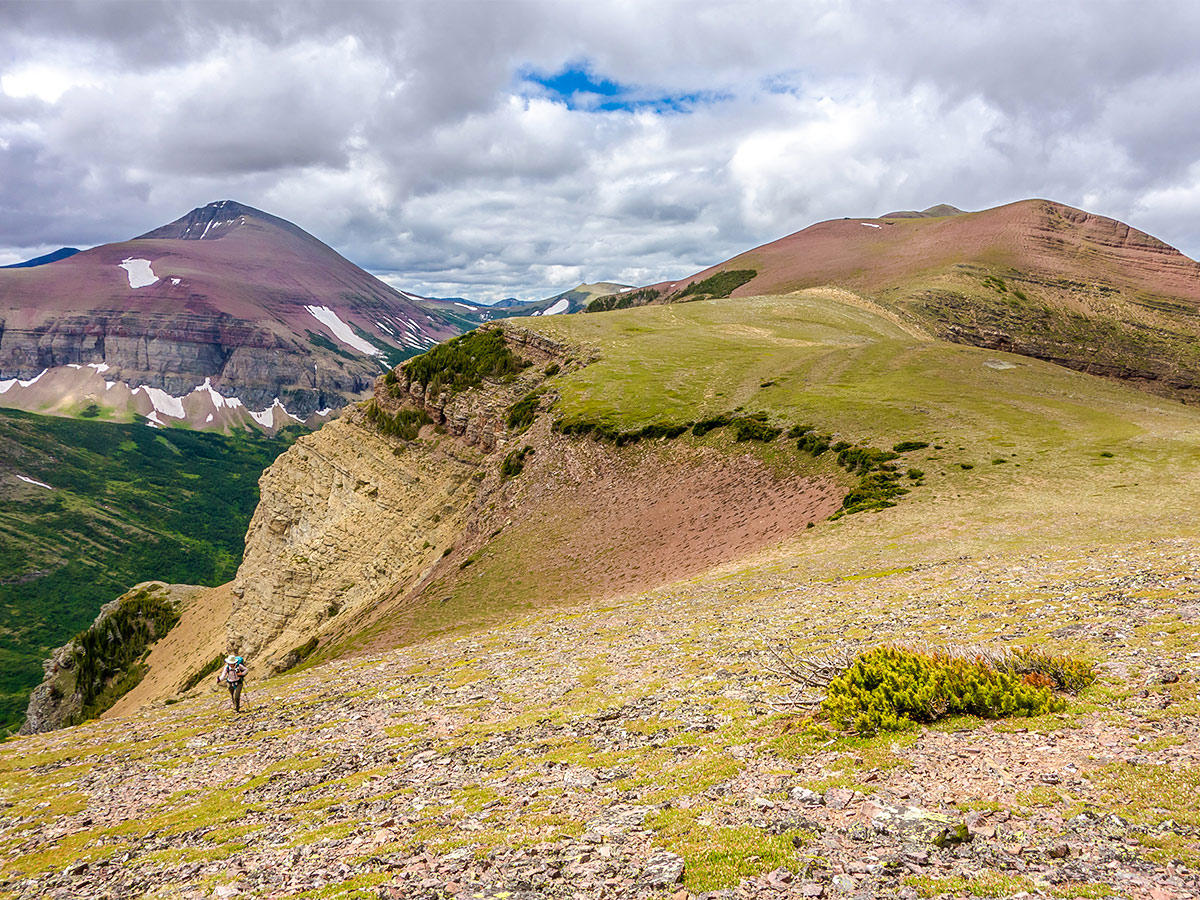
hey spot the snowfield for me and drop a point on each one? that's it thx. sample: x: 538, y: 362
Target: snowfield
x: 341, y: 330
x: 139, y: 272
x: 5, y: 385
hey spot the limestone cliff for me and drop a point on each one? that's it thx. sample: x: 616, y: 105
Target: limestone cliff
x: 350, y: 516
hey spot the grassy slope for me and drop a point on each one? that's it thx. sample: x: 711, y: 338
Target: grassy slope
x: 129, y: 503
x: 831, y: 360
x: 836, y: 365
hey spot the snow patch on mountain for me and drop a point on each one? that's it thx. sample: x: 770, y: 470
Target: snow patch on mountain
x: 139, y: 272
x: 35, y: 481
x: 266, y: 418
x: 341, y: 330
x: 5, y: 385
x: 560, y: 307
x: 163, y: 402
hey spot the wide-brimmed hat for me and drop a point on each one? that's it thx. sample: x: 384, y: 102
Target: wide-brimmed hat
x: 231, y: 659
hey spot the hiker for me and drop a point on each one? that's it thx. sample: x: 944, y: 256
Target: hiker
x: 233, y: 674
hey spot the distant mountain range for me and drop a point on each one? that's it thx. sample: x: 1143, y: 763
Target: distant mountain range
x: 55, y: 256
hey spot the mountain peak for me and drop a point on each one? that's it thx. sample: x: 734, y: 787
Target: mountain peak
x: 933, y: 212
x: 211, y: 222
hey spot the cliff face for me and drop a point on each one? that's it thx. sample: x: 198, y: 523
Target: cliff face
x: 341, y: 521
x: 349, y: 517
x: 175, y: 352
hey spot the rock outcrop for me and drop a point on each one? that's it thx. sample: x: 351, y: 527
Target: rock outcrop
x: 349, y: 516
x: 60, y: 699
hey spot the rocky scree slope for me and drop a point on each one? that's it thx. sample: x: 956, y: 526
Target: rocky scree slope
x: 628, y: 749
x: 227, y: 304
x: 1037, y: 278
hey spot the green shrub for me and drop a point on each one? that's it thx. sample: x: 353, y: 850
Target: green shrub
x: 405, y: 424
x: 908, y: 446
x: 916, y: 474
x: 91, y: 412
x: 754, y: 429
x: 464, y: 362
x: 797, y: 431
x: 893, y: 688
x: 712, y: 423
x: 814, y: 443
x: 722, y: 284
x: 863, y: 459
x: 998, y: 461
x: 622, y: 301
x: 876, y: 490
x: 1106, y: 454
x: 966, y: 466
x: 606, y: 431
x: 522, y: 413
x: 552, y: 370
x: 1066, y: 672
x: 514, y: 463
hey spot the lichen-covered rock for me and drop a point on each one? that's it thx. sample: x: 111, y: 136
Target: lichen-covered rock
x: 662, y: 870
x: 916, y: 824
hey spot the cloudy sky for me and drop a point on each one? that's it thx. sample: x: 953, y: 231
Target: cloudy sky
x: 492, y: 149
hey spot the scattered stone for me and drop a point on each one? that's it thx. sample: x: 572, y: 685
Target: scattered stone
x: 1059, y: 851
x: 663, y: 869
x: 914, y: 823
x: 579, y: 778
x: 838, y: 798
x: 843, y: 883
x: 804, y: 795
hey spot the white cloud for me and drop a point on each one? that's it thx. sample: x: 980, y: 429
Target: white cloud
x: 405, y: 136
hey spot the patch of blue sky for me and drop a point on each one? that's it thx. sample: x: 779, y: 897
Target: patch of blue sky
x: 577, y: 86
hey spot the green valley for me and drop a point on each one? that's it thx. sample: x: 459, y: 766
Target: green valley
x: 125, y: 503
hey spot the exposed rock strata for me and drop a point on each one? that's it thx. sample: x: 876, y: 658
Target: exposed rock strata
x: 348, y: 516
x: 342, y: 520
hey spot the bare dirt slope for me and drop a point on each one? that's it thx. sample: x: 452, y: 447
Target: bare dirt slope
x: 188, y: 647
x: 586, y: 520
